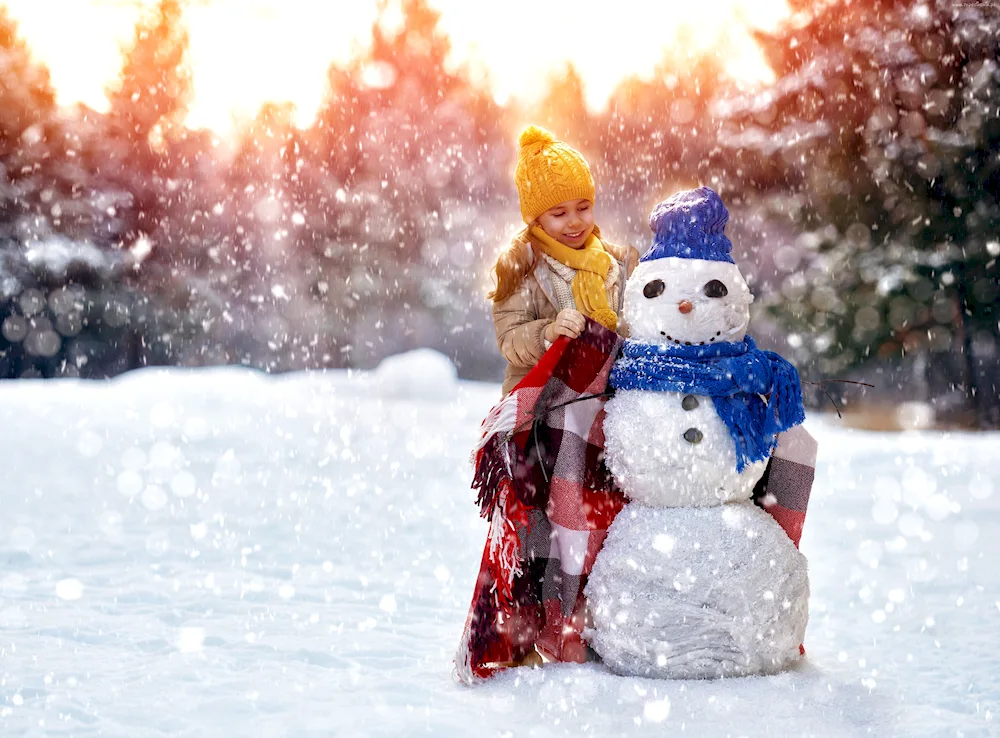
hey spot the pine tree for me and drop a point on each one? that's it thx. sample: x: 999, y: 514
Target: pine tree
x: 656, y: 135
x: 165, y: 223
x: 27, y: 96
x: 154, y: 85
x: 880, y: 140
x: 148, y: 103
x: 564, y: 111
x: 27, y: 104
x: 417, y: 181
x: 266, y: 263
x: 46, y: 276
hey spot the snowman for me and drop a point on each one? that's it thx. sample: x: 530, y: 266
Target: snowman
x: 694, y: 580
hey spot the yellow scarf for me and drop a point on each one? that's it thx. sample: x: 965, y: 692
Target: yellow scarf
x: 591, y: 263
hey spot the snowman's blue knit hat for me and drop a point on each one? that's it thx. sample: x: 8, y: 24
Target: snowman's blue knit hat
x: 690, y: 224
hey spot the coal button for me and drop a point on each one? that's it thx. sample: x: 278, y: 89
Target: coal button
x: 693, y: 435
x: 690, y: 402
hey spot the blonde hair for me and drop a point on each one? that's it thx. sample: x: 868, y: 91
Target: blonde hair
x: 512, y: 266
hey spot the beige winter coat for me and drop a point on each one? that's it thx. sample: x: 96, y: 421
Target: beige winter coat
x: 521, y: 319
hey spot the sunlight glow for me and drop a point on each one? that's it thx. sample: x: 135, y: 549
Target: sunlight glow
x: 521, y: 41
x: 246, y: 52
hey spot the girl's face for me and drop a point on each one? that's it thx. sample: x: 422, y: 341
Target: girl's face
x: 570, y: 223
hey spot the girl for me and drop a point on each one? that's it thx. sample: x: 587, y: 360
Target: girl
x: 558, y: 269
x: 556, y: 272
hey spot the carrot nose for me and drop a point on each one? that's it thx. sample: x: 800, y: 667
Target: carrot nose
x: 685, y: 306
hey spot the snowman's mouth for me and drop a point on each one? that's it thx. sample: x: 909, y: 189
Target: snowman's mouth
x: 678, y: 342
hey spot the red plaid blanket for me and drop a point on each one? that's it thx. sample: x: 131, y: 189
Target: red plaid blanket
x: 544, y: 487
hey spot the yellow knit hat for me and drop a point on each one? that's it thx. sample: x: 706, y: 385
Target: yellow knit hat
x: 549, y: 172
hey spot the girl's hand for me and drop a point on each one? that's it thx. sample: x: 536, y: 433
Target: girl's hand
x: 568, y: 322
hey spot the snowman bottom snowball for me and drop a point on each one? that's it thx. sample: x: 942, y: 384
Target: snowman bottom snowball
x: 698, y: 593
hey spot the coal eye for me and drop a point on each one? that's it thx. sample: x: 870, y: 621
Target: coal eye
x: 715, y: 288
x: 654, y: 288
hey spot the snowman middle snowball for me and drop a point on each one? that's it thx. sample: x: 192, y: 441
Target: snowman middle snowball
x: 671, y: 449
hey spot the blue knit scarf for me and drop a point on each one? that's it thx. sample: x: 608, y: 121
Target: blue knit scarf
x: 734, y: 375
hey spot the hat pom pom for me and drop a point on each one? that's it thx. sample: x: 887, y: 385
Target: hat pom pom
x: 658, y: 218
x: 692, y: 210
x: 533, y: 135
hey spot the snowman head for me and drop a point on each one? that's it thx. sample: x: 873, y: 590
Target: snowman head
x: 686, y: 289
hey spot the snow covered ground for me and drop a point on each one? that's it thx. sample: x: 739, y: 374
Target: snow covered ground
x: 224, y: 553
